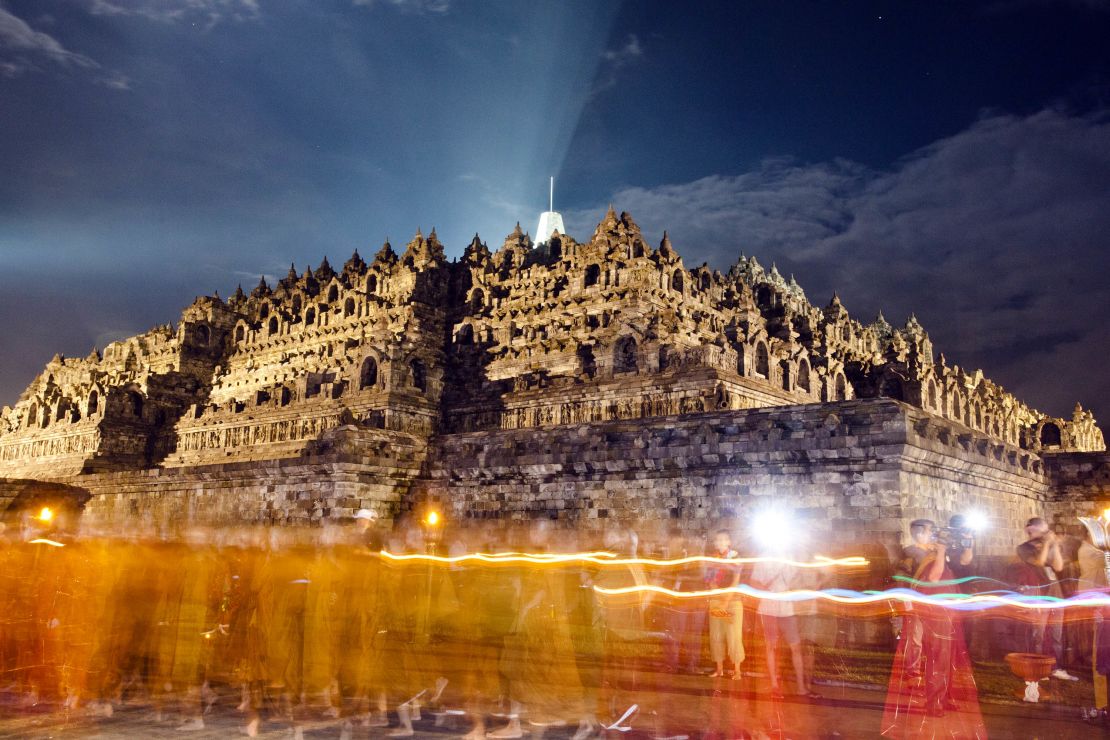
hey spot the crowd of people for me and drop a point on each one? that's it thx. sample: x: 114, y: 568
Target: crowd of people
x: 356, y: 624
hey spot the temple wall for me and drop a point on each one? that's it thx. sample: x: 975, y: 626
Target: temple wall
x: 854, y: 473
x: 1081, y: 487
x: 348, y: 469
x: 631, y: 396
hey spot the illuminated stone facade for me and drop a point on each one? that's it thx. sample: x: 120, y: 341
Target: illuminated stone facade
x: 412, y: 345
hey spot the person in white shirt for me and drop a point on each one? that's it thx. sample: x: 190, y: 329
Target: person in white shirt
x: 780, y: 621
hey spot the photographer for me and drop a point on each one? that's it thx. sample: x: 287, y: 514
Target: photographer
x: 1042, y: 562
x: 932, y: 690
x: 961, y: 550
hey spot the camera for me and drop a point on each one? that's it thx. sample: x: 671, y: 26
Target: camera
x: 955, y: 535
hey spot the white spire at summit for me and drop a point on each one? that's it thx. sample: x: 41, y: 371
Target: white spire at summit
x: 550, y: 221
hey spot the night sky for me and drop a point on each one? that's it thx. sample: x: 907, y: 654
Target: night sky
x: 950, y: 159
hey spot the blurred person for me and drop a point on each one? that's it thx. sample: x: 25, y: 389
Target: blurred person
x: 406, y: 587
x: 482, y: 622
x: 780, y: 621
x: 1092, y: 577
x: 726, y: 612
x: 539, y: 658
x: 684, y: 618
x: 942, y: 700
x: 199, y: 595
x: 244, y: 655
x: 914, y: 554
x: 1041, y: 563
x: 625, y: 629
x: 364, y: 608
x: 283, y: 576
x: 587, y: 628
x: 323, y: 625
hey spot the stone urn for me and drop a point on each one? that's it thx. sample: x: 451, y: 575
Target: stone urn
x: 1031, y: 668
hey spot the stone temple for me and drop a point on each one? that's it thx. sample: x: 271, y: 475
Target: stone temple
x: 593, y: 382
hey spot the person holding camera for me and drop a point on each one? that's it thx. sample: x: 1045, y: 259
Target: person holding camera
x: 1043, y: 561
x: 961, y: 548
x: 932, y: 689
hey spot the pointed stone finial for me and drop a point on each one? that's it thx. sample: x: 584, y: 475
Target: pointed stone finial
x: 386, y: 253
x: 292, y: 271
x: 419, y: 234
x: 432, y: 236
x: 665, y: 247
x: 354, y: 264
x: 324, y: 272
x: 517, y: 231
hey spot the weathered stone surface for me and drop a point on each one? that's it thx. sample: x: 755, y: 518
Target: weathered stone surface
x: 592, y: 382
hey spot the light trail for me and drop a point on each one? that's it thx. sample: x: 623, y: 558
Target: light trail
x: 44, y: 541
x: 609, y: 559
x: 959, y: 601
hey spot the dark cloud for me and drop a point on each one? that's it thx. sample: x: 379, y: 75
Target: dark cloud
x: 998, y: 238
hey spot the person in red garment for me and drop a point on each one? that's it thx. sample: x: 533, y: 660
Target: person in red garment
x: 939, y: 698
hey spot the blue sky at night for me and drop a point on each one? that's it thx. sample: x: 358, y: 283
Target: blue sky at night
x: 946, y: 158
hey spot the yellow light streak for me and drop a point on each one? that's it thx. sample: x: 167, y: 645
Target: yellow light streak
x: 609, y: 559
x: 44, y: 541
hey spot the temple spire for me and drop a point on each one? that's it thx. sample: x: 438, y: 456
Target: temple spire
x: 550, y: 221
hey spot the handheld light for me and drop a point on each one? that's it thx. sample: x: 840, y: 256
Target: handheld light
x: 772, y: 528
x: 46, y: 515
x: 976, y: 521
x: 432, y: 518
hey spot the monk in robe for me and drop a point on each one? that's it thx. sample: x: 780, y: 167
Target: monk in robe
x: 281, y: 616
x: 324, y: 599
x: 362, y: 663
x: 539, y: 659
x: 197, y: 625
x: 943, y: 702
